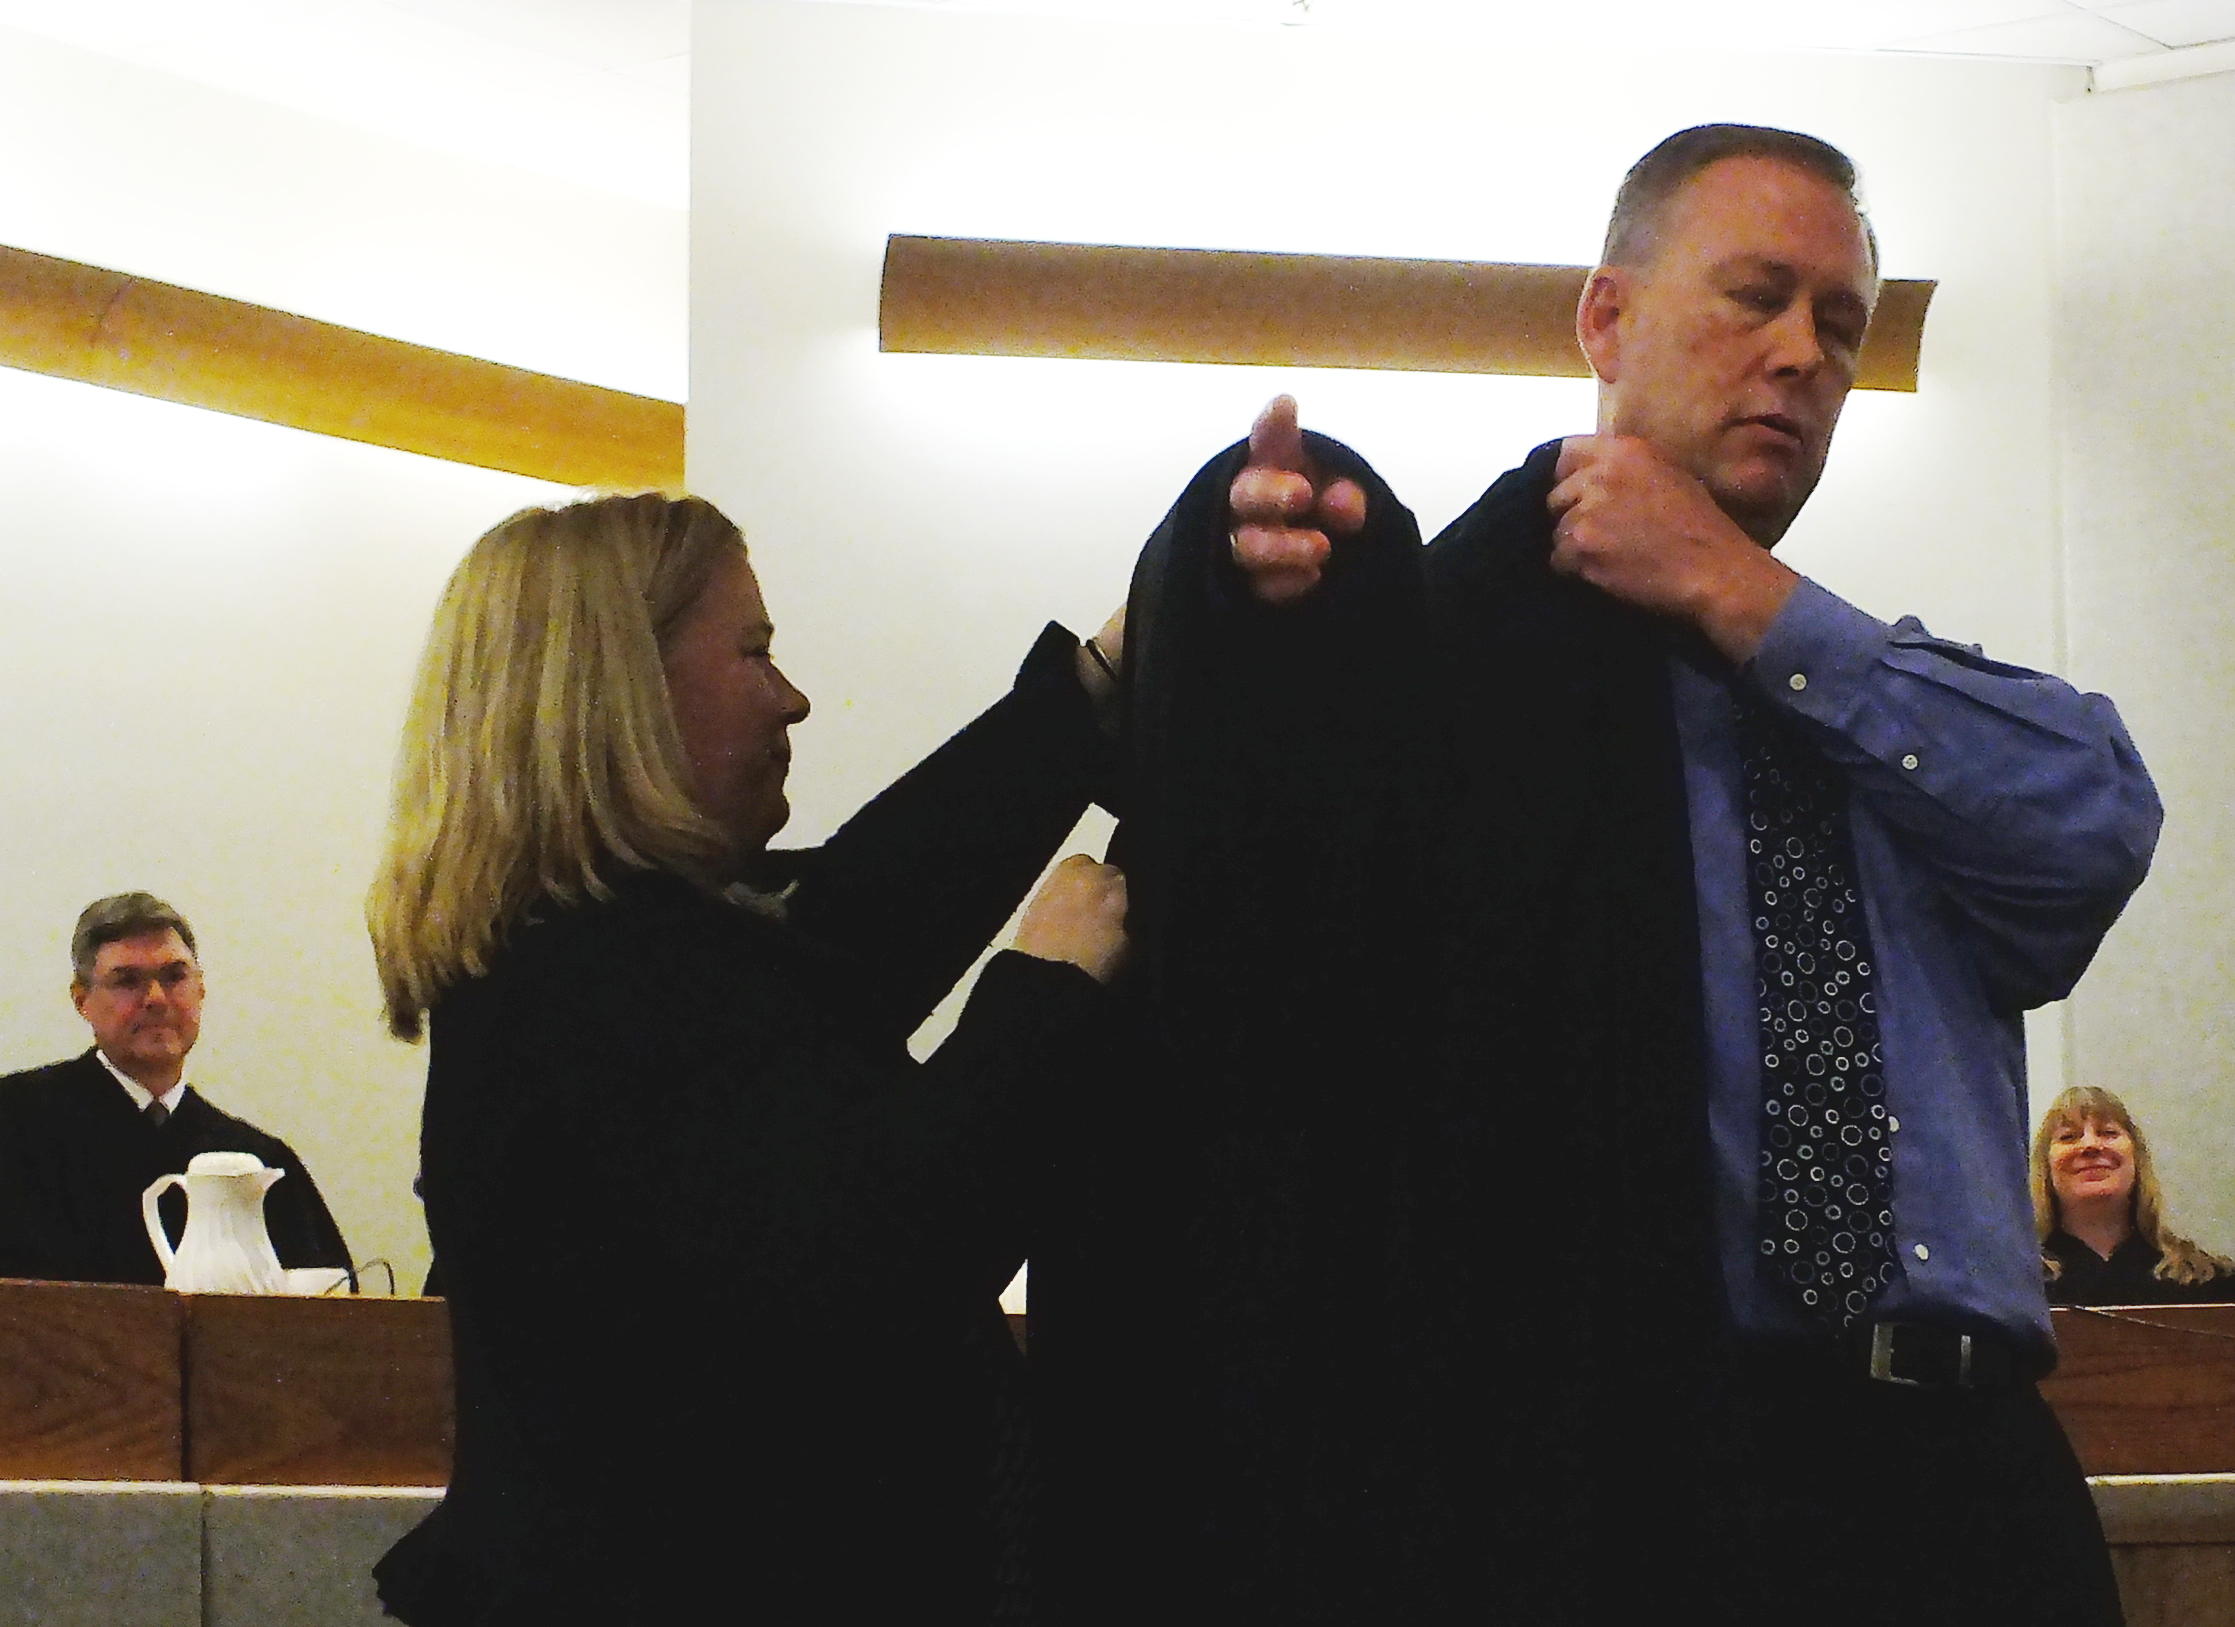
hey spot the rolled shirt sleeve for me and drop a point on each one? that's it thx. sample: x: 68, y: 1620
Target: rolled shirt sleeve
x: 2021, y: 797
x: 2001, y: 818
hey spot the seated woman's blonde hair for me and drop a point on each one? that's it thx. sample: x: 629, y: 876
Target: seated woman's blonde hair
x: 2179, y: 1260
x: 540, y: 750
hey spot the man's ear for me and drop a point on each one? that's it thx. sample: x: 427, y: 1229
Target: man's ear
x: 79, y: 990
x: 1598, y: 321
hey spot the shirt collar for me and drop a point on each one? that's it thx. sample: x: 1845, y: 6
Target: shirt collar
x: 139, y: 1093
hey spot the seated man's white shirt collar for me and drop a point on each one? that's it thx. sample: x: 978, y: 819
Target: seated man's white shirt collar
x: 140, y: 1094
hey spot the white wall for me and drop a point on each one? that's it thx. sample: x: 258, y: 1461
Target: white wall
x: 206, y: 624
x: 916, y: 517
x: 2146, y: 350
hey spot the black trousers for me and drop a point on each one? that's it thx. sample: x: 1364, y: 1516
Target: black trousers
x: 1834, y: 1499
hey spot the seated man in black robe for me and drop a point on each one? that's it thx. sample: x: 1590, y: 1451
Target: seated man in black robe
x: 81, y: 1140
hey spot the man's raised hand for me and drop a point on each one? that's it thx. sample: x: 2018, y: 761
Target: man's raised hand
x: 1632, y: 524
x: 1284, y: 511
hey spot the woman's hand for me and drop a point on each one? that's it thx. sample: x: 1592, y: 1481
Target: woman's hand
x: 1078, y: 915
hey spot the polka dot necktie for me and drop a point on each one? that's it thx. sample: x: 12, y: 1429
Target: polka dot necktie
x: 1826, y: 1187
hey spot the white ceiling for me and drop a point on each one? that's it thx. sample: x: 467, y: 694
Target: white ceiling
x: 597, y: 91
x: 2086, y: 32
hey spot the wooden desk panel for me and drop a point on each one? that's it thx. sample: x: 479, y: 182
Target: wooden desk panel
x: 2173, y: 1546
x: 358, y: 1392
x: 2147, y: 1390
x: 317, y: 1392
x: 89, y: 1382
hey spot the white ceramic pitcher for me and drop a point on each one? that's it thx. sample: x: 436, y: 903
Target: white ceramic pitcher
x: 227, y: 1248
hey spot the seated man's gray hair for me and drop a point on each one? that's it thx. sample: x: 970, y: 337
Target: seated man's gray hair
x: 119, y: 916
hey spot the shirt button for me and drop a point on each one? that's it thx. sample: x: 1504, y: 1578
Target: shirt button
x: 1797, y: 682
x: 1893, y: 1124
x: 1909, y: 761
x: 1921, y: 1252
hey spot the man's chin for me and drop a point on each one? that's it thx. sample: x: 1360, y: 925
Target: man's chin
x: 1763, y: 506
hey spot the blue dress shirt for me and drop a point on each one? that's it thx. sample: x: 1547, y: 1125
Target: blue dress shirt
x: 2001, y: 818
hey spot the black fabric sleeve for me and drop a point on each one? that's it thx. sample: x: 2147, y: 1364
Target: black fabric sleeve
x: 303, y: 1229
x: 757, y: 1144
x: 911, y: 889
x: 1025, y: 1029
x: 1274, y: 766
x: 20, y: 1229
x: 914, y: 1182
x: 925, y: 1183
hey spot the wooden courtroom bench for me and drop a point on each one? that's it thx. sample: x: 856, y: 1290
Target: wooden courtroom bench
x: 234, y: 1396
x: 2147, y: 1394
x: 116, y: 1383
x: 250, y: 1457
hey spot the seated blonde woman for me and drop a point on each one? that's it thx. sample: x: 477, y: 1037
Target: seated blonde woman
x: 2101, y: 1215
x: 721, y: 1260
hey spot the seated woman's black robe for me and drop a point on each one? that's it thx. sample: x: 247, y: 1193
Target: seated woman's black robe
x: 2128, y: 1277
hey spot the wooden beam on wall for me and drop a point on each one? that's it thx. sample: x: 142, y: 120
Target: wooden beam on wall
x: 963, y: 296
x: 102, y: 327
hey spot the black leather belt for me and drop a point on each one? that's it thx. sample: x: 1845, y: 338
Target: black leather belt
x: 1930, y: 1358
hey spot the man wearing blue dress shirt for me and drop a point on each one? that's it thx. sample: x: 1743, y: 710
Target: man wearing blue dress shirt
x: 1714, y: 1284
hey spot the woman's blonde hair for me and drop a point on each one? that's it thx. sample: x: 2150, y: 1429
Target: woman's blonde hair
x: 540, y: 749
x: 2179, y: 1260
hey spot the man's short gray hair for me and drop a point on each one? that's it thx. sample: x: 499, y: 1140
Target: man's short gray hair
x: 119, y: 916
x: 1658, y: 176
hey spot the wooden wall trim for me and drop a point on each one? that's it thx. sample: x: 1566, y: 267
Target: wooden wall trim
x: 985, y: 297
x: 103, y: 327
x: 940, y: 295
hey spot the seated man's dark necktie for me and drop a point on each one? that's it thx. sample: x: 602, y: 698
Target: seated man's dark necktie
x: 155, y: 1112
x: 1826, y: 1188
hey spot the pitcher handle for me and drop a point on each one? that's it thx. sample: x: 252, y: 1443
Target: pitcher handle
x: 154, y: 1219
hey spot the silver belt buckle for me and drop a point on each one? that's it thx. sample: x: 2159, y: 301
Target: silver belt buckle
x: 1882, y: 1358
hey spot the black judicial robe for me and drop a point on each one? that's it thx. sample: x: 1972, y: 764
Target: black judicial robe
x: 1386, y: 1288
x: 2128, y: 1277
x: 75, y: 1155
